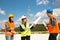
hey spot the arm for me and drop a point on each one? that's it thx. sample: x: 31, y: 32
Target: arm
x: 31, y: 27
x: 7, y: 27
x: 52, y: 21
x: 21, y: 29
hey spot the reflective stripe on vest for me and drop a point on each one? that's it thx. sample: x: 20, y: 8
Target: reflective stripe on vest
x: 29, y: 31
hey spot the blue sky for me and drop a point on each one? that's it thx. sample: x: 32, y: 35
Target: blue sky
x: 20, y: 7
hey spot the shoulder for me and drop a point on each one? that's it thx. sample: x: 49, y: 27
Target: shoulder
x: 20, y: 25
x: 55, y: 19
x: 53, y: 16
x: 27, y: 22
x: 6, y: 22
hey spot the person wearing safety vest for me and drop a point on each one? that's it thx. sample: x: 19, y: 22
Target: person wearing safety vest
x: 9, y: 27
x: 23, y: 27
x: 52, y: 25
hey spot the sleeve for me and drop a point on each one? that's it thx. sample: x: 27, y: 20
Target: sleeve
x: 21, y: 29
x: 31, y: 27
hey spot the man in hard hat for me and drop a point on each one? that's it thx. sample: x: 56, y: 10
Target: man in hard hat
x: 53, y: 27
x: 9, y: 27
x: 23, y: 27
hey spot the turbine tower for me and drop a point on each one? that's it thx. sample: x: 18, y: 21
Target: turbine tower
x: 29, y: 11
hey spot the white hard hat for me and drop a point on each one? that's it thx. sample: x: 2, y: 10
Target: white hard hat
x: 23, y: 17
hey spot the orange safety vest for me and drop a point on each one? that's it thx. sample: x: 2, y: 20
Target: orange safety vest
x: 11, y: 26
x: 54, y: 29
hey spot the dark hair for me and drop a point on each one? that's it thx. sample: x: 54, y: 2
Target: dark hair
x: 10, y: 19
x: 50, y: 12
x: 23, y: 19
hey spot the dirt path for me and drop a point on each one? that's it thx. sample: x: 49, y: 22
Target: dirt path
x: 33, y: 37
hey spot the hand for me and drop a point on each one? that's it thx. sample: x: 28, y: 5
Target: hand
x: 26, y: 28
x: 8, y: 33
x: 13, y: 32
x: 48, y: 25
x: 59, y: 31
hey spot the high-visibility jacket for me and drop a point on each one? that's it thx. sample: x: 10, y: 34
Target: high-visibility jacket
x: 23, y: 27
x: 11, y: 26
x: 55, y: 28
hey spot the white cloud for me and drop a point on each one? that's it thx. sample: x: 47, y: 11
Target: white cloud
x: 19, y: 19
x: 2, y: 12
x: 2, y: 22
x: 34, y: 17
x: 57, y: 12
x: 39, y: 2
x: 17, y: 23
x: 44, y: 15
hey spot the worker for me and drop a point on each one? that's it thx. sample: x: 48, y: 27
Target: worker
x: 52, y: 25
x: 23, y: 27
x: 9, y: 27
